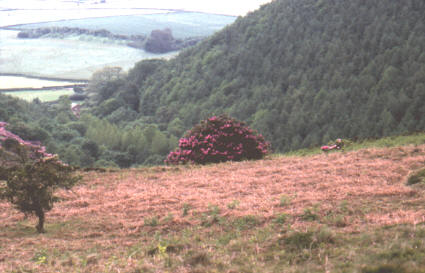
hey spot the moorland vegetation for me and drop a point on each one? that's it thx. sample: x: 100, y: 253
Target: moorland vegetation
x: 345, y: 211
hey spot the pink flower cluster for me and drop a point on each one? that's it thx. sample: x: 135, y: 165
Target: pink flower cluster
x: 37, y: 151
x: 219, y: 139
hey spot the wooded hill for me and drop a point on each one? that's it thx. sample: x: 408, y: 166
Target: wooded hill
x: 301, y: 72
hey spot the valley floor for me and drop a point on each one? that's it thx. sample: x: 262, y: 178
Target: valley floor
x: 342, y: 212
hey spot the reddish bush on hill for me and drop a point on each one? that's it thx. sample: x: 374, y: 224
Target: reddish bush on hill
x: 219, y: 139
x: 8, y: 154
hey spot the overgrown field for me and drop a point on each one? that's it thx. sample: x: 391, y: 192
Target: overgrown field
x: 346, y: 211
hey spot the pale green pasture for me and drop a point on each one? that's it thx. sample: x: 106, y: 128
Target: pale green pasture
x: 25, y: 82
x: 42, y: 95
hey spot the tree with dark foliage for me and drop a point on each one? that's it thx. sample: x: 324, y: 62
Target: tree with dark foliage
x: 29, y: 176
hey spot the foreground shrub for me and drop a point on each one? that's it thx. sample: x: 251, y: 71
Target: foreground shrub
x: 29, y: 176
x: 219, y: 139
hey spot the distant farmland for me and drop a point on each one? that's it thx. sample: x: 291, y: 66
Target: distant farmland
x: 42, y: 95
x: 182, y: 24
x: 66, y: 59
x: 24, y: 87
x: 78, y: 57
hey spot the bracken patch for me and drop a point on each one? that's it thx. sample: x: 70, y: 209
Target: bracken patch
x: 365, y: 193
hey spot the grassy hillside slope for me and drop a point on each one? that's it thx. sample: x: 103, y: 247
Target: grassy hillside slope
x: 342, y: 212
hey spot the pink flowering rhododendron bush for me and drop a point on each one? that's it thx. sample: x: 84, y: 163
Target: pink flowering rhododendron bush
x: 219, y: 139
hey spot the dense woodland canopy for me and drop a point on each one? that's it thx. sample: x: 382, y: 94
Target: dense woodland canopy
x: 301, y: 72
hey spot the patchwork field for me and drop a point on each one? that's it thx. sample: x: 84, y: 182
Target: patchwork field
x: 342, y: 212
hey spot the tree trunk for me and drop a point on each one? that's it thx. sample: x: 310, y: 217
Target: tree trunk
x: 40, y: 226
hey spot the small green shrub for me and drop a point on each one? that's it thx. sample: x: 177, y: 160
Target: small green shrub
x: 31, y: 176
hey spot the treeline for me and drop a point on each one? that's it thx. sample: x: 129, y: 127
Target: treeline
x: 159, y: 41
x: 85, y: 141
x: 301, y: 72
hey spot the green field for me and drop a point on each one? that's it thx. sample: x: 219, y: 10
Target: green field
x: 78, y: 57
x: 66, y: 59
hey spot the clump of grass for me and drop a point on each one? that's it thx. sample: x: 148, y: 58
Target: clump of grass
x: 246, y: 222
x: 186, y: 208
x: 152, y: 221
x: 40, y: 257
x: 298, y: 240
x: 168, y: 218
x: 284, y: 201
x: 233, y: 205
x: 213, y: 210
x: 338, y: 220
x: 416, y: 177
x: 310, y: 214
x: 280, y: 219
x: 211, y: 217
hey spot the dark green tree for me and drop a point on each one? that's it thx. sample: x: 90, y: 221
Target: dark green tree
x: 28, y: 179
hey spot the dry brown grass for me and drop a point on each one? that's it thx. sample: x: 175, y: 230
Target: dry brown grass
x: 108, y: 210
